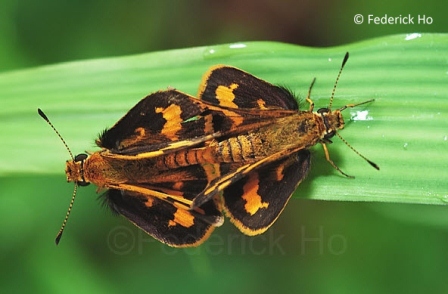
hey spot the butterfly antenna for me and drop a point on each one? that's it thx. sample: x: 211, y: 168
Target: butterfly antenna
x: 61, y: 230
x: 337, y: 79
x: 42, y: 114
x: 356, y: 151
x: 59, y: 235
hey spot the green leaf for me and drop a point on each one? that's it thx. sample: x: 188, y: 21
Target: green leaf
x: 404, y: 131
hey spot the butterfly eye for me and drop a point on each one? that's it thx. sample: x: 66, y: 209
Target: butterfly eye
x: 329, y: 135
x: 323, y: 110
x: 80, y: 157
x: 82, y: 183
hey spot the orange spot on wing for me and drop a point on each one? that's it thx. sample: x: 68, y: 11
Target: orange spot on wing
x: 149, y: 202
x: 279, y: 172
x: 251, y: 196
x: 172, y: 115
x: 261, y: 104
x: 182, y: 217
x: 225, y: 95
x: 178, y: 186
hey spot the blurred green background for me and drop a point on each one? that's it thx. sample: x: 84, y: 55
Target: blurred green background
x: 315, y: 246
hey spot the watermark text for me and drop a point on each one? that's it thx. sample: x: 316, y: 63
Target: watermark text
x: 405, y: 19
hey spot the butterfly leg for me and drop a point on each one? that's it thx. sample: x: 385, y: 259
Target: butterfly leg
x: 308, y: 97
x: 327, y: 156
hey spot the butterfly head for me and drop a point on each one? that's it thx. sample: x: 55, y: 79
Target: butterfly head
x: 74, y: 170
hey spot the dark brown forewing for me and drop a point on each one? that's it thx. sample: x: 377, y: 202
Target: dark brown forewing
x: 248, y: 91
x: 154, y: 122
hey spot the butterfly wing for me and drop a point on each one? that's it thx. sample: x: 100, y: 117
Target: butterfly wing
x: 231, y: 87
x: 156, y: 122
x: 166, y: 220
x: 254, y: 202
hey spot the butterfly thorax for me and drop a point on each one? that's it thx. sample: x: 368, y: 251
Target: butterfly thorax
x: 96, y: 169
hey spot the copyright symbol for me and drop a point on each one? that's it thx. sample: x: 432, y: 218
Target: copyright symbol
x: 121, y: 240
x: 358, y: 19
